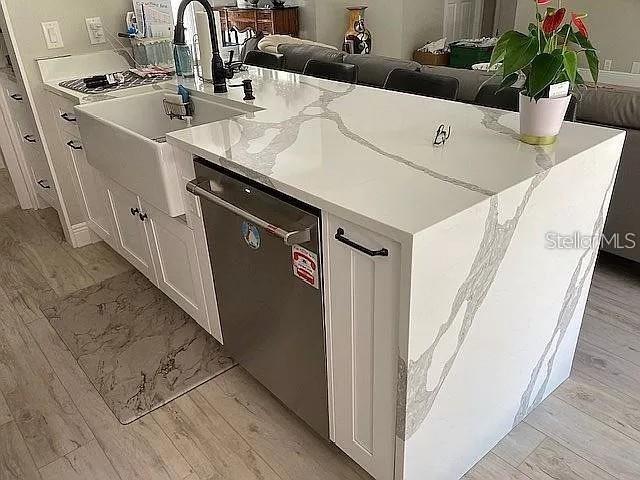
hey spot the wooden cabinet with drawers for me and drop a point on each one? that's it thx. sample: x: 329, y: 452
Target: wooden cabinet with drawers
x: 283, y: 21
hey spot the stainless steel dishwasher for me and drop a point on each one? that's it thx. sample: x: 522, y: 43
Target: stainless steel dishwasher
x: 265, y: 255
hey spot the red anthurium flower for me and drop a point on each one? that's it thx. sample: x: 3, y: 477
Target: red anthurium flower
x: 576, y: 19
x: 543, y: 2
x: 553, y: 21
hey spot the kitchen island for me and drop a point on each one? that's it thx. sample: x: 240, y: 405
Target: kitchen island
x: 437, y: 348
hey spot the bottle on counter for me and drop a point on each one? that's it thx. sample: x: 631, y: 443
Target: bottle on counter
x: 184, y: 60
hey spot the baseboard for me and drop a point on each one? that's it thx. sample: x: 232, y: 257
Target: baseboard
x: 82, y: 235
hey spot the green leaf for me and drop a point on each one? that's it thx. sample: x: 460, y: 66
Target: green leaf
x: 583, y: 41
x: 567, y: 32
x: 544, y: 70
x: 503, y: 44
x: 579, y: 79
x: 520, y: 53
x: 508, y: 81
x: 594, y: 64
x: 539, y: 35
x: 570, y: 59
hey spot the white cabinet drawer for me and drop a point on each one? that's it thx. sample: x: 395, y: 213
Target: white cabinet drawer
x: 29, y: 136
x: 16, y: 98
x: 43, y: 180
x: 65, y: 116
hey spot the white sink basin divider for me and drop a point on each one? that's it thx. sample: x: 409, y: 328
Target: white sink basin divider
x: 124, y: 139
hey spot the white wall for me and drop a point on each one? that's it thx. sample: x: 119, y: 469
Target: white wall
x: 398, y: 27
x: 506, y: 16
x: 613, y: 25
x: 307, y: 18
x: 422, y: 22
x: 25, y: 17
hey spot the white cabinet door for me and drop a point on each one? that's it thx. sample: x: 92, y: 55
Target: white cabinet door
x: 93, y: 193
x: 130, y: 229
x: 173, y: 247
x: 362, y: 324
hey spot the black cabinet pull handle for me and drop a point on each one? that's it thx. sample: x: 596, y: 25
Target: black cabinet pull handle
x: 68, y: 117
x: 17, y: 97
x: 73, y: 145
x: 30, y: 138
x: 135, y: 211
x: 143, y: 216
x: 383, y: 252
x: 43, y: 184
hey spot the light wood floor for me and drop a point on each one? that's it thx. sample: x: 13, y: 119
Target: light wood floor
x: 55, y: 426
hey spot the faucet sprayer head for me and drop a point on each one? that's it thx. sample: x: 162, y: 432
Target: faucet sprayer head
x: 178, y: 34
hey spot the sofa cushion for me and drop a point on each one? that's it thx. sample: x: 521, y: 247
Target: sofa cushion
x: 470, y: 80
x: 270, y: 43
x: 611, y: 105
x: 624, y: 212
x: 297, y: 56
x: 373, y: 70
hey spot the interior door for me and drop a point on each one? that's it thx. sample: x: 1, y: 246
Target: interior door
x: 460, y: 19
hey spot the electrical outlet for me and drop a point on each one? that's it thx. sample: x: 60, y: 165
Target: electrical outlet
x: 96, y: 30
x: 635, y: 69
x: 52, y: 35
x: 608, y: 64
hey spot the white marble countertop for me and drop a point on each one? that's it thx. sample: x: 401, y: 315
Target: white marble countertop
x: 369, y: 152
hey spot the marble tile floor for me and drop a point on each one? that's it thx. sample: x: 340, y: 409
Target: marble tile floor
x: 54, y: 424
x: 138, y: 348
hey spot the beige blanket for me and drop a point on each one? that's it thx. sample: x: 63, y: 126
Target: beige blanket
x: 270, y: 43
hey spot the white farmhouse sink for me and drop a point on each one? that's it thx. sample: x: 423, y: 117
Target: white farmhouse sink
x: 124, y: 139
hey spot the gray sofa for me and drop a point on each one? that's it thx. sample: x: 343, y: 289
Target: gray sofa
x: 372, y: 70
x: 619, y: 107
x: 612, y: 106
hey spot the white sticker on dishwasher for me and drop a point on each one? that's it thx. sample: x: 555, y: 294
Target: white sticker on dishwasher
x: 305, y: 266
x: 251, y: 235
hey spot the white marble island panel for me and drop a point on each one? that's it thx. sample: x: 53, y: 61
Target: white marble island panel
x: 486, y: 313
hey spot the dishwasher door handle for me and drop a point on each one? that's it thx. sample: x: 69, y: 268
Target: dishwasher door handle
x: 296, y: 237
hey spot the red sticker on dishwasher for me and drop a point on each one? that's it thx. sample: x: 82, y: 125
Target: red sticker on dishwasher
x: 305, y: 266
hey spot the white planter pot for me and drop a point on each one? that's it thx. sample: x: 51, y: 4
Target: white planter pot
x: 541, y: 121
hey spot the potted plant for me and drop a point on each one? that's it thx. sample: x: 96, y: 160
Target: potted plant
x: 547, y: 56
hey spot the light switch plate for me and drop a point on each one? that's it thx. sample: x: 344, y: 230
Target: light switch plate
x: 52, y: 35
x: 635, y: 68
x: 608, y: 64
x: 96, y: 30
